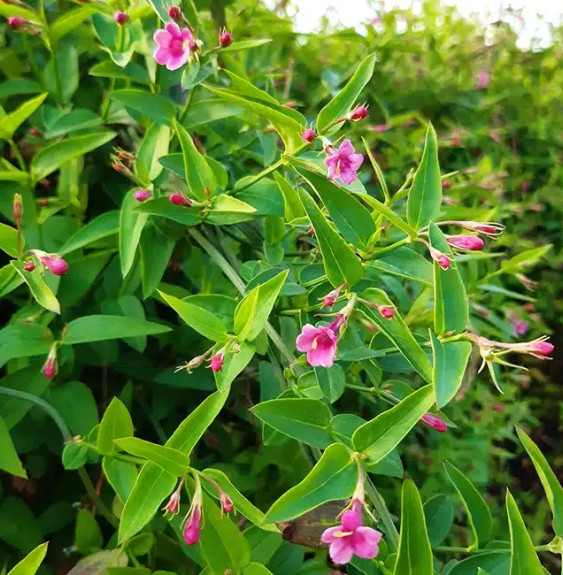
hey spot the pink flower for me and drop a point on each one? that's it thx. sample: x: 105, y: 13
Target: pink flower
x: 521, y: 327
x: 359, y: 113
x: 343, y: 163
x: 174, y: 46
x: 142, y: 195
x: 456, y: 138
x: 225, y: 39
x: 217, y: 361
x: 351, y: 537
x: 329, y: 299
x: 446, y: 184
x: 226, y: 503
x: 386, y: 311
x: 180, y: 200
x: 175, y: 13
x: 380, y: 128
x: 441, y: 259
x: 434, y: 422
x: 308, y: 135
x: 55, y: 264
x: 483, y: 80
x: 29, y: 266
x: 173, y: 505
x: 465, y: 242
x: 192, y: 529
x: 120, y: 17
x: 320, y: 342
x: 16, y: 22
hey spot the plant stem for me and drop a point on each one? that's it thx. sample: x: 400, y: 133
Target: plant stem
x: 453, y: 549
x: 383, y: 513
x: 65, y: 432
x: 17, y: 153
x: 378, y: 253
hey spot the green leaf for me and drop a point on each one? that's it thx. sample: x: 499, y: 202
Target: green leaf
x: 121, y: 475
x: 353, y: 221
x: 256, y: 569
x: 9, y: 460
x: 333, y: 477
x: 293, y: 208
x: 206, y: 111
x: 478, y: 512
x: 15, y: 10
x: 415, y: 555
x: 397, y: 331
x: 495, y: 562
x: 450, y: 362
x: 286, y: 123
x: 69, y: 21
x: 306, y: 420
x: 53, y: 156
x: 131, y: 224
x: 549, y: 481
x: 103, y: 327
x: 234, y: 364
x: 340, y: 262
x: 170, y: 459
x: 524, y: 559
x: 105, y: 225
x: 162, y: 207
x: 342, y: 103
x: 115, y: 423
x: 241, y: 503
x: 132, y: 71
x: 31, y: 562
x: 451, y: 311
x: 153, y: 106
x: 39, y: 289
x: 88, y: 537
x: 9, y: 240
x: 245, y: 45
x: 258, y: 304
x: 9, y: 123
x: 439, y: 512
x: 425, y: 195
x: 153, y: 146
x: 78, y: 119
x: 156, y: 251
x: 390, y: 215
x: 332, y: 381
x: 200, y: 177
x: 222, y: 545
x: 404, y: 262
x: 203, y: 321
x: 74, y: 456
x: 378, y: 437
x: 153, y: 485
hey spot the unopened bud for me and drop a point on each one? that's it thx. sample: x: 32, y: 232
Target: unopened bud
x: 225, y: 39
x: 175, y: 13
x: 142, y: 195
x: 308, y: 135
x: 29, y: 266
x: 180, y: 200
x: 465, y: 242
x: 120, y: 17
x: 386, y: 311
x: 359, y: 113
x: 434, y: 422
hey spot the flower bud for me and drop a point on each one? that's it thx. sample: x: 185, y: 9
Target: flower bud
x: 521, y: 327
x: 359, y: 113
x: 120, y: 17
x: 541, y: 348
x: 56, y: 264
x: 29, y: 266
x: 35, y: 133
x: 180, y: 200
x: 225, y: 38
x: 456, y: 138
x: 446, y: 184
x: 173, y: 505
x: 142, y: 195
x: 386, y: 311
x: 217, y: 361
x: 50, y: 367
x: 17, y: 209
x: 464, y: 242
x: 308, y: 135
x: 15, y: 22
x: 175, y: 13
x: 192, y: 530
x: 226, y: 503
x: 441, y: 259
x: 434, y: 422
x: 329, y: 299
x: 380, y: 128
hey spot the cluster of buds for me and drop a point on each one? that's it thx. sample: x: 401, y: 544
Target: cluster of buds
x: 53, y: 262
x: 122, y: 163
x: 192, y: 523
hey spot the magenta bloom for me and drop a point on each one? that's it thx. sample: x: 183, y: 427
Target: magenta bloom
x: 16, y: 22
x: 319, y: 343
x: 308, y: 135
x: 343, y: 163
x: 50, y: 368
x: 217, y: 361
x: 434, y: 422
x: 225, y: 39
x: 351, y: 537
x: 120, y: 17
x: 142, y: 195
x: 521, y: 327
x: 180, y: 200
x: 386, y: 311
x: 55, y: 264
x: 465, y: 242
x: 192, y: 529
x: 483, y: 80
x: 174, y: 46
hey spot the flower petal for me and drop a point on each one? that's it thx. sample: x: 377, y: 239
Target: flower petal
x: 328, y: 534
x: 306, y: 337
x: 351, y: 520
x: 365, y: 542
x: 174, y: 30
x: 341, y: 550
x: 346, y: 148
x: 348, y: 176
x: 162, y: 55
x: 355, y: 161
x: 162, y: 38
x: 178, y: 60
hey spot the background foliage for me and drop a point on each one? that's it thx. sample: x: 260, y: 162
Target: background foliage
x: 75, y: 87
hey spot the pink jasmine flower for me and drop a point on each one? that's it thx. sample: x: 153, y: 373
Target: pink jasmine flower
x: 434, y: 422
x: 521, y: 327
x: 351, y: 537
x: 308, y: 135
x: 180, y: 200
x: 174, y: 46
x: 359, y: 113
x: 483, y: 80
x: 386, y: 311
x: 329, y: 299
x: 225, y: 39
x: 380, y: 128
x: 217, y: 361
x: 320, y: 342
x: 15, y: 22
x: 343, y: 163
x: 120, y: 17
x: 465, y: 242
x: 142, y: 195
